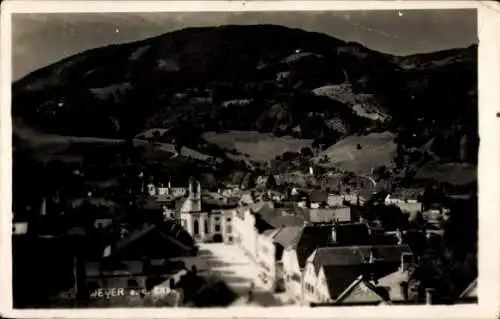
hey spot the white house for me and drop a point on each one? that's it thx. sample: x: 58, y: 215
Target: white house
x: 271, y: 248
x: 244, y: 229
x: 331, y: 270
x: 292, y: 273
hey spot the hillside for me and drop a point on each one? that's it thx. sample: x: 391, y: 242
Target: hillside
x: 269, y: 79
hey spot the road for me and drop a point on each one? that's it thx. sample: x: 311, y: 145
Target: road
x: 238, y: 271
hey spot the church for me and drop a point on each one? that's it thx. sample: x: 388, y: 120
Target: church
x: 202, y: 222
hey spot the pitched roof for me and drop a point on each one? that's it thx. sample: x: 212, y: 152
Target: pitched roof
x: 338, y: 278
x: 170, y: 230
x: 309, y: 239
x: 271, y: 233
x: 353, y: 255
x: 318, y: 196
x: 287, y: 235
x: 352, y: 233
x: 388, y: 289
x: 470, y: 291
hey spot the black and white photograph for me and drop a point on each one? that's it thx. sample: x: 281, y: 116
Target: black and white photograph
x: 229, y: 159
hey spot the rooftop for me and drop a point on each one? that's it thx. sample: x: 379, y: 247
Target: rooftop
x: 352, y: 255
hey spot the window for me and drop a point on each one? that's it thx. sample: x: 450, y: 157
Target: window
x: 228, y: 219
x: 217, y: 218
x: 217, y: 228
x: 229, y: 229
x: 206, y: 225
x: 196, y: 227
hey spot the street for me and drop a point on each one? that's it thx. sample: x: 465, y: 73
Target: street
x: 238, y: 271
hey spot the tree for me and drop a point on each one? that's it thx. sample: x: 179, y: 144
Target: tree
x: 306, y: 152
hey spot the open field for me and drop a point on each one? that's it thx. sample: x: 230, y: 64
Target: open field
x: 72, y: 148
x: 258, y: 146
x: 376, y: 149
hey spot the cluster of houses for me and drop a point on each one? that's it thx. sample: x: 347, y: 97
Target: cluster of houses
x: 310, y: 243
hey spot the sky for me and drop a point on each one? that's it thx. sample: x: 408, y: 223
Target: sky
x: 44, y: 38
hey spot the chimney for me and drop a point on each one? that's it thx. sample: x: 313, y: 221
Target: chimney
x: 406, y: 260
x: 429, y: 292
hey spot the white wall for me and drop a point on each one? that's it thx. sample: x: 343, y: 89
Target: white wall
x: 309, y: 278
x: 291, y: 267
x: 323, y: 295
x: 265, y: 256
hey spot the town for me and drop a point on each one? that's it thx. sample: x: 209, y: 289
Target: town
x: 247, y: 159
x: 301, y: 238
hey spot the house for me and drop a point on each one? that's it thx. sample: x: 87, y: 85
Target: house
x: 221, y: 225
x: 318, y: 198
x: 330, y: 215
x: 389, y: 289
x: 173, y: 189
x: 100, y: 212
x: 329, y: 271
x: 20, y: 228
x: 160, y: 240
x: 294, y: 256
x: 271, y: 244
x: 245, y: 227
x: 408, y: 200
x: 334, y: 200
x: 246, y: 199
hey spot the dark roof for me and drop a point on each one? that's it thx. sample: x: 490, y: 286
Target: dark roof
x: 318, y: 196
x: 338, y: 278
x: 353, y: 255
x: 342, y: 265
x: 286, y: 220
x: 214, y: 203
x: 352, y: 233
x: 388, y: 289
x: 166, y: 230
x: 311, y: 238
x: 280, y: 217
x: 287, y: 235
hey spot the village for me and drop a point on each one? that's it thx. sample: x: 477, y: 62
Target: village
x: 263, y: 240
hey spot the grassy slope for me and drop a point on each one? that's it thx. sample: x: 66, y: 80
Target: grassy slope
x: 71, y: 148
x: 258, y: 146
x: 376, y: 149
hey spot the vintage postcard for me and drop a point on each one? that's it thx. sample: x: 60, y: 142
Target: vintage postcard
x: 250, y: 159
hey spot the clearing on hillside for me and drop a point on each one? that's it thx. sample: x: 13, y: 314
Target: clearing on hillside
x: 258, y: 146
x: 360, y: 154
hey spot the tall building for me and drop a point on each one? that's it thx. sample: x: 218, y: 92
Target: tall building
x: 206, y: 223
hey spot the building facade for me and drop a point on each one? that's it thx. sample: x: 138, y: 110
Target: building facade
x: 205, y: 225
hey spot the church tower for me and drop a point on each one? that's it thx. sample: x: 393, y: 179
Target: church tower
x: 193, y: 202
